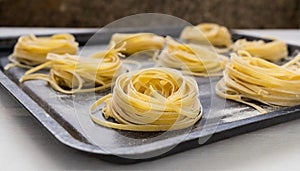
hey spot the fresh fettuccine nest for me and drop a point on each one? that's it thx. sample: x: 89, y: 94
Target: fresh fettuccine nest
x: 154, y: 99
x: 31, y: 51
x: 137, y: 42
x: 191, y: 59
x: 250, y: 78
x: 273, y: 51
x: 217, y: 35
x: 71, y: 74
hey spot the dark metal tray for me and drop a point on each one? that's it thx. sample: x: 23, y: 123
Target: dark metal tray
x: 56, y: 112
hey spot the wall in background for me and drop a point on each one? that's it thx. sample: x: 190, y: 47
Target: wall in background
x: 97, y: 13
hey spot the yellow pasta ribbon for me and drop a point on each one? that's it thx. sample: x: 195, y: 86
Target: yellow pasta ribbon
x: 72, y: 74
x: 191, y: 59
x: 31, y: 51
x: 273, y: 51
x: 137, y: 42
x: 217, y: 35
x: 247, y: 77
x: 153, y: 99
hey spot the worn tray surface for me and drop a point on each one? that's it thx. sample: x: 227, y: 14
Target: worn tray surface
x: 78, y: 131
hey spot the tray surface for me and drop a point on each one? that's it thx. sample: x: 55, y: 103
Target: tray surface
x: 66, y: 116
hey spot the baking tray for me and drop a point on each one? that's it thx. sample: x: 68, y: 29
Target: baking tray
x: 55, y: 111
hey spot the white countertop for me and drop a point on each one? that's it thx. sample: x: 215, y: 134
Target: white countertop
x: 26, y: 145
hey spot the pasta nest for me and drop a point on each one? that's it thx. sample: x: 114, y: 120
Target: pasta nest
x: 31, y: 51
x: 217, y: 35
x: 137, y: 42
x: 71, y: 74
x: 191, y: 59
x: 153, y: 99
x: 249, y: 78
x: 273, y: 51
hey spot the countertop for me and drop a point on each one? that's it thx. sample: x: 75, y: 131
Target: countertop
x: 26, y: 145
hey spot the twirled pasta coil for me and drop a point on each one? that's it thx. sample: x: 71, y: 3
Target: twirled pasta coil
x: 247, y: 77
x: 191, y: 59
x: 31, y: 51
x: 217, y: 35
x: 153, y: 99
x: 137, y: 42
x: 71, y: 74
x: 272, y: 51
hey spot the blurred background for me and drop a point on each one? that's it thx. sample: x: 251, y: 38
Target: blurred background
x: 98, y: 13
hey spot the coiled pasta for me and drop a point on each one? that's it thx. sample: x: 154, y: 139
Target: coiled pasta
x: 217, y: 35
x: 247, y: 77
x: 31, y: 51
x: 153, y: 99
x: 191, y: 59
x: 137, y: 42
x: 71, y: 74
x: 273, y: 51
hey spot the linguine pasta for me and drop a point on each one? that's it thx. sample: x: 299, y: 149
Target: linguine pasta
x: 31, y: 51
x: 191, y: 59
x: 250, y: 78
x: 273, y: 51
x: 153, y: 99
x: 71, y: 74
x: 133, y: 43
x: 217, y: 35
